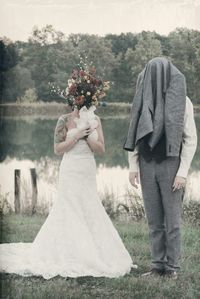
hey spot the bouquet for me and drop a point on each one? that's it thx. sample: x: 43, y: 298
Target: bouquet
x: 84, y: 88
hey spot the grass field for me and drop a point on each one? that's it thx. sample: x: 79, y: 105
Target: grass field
x: 135, y: 236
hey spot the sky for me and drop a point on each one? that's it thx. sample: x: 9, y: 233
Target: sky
x: 18, y: 17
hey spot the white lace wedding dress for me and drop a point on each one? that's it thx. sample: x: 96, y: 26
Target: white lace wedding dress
x: 77, y: 238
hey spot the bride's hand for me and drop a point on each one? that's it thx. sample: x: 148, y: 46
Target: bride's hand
x: 91, y: 130
x: 82, y: 133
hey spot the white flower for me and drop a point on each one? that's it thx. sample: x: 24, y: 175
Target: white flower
x: 69, y: 82
x: 88, y: 93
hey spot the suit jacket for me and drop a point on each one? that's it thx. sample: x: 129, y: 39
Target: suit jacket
x: 158, y: 107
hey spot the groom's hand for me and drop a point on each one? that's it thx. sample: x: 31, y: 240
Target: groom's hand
x: 134, y: 179
x: 179, y: 183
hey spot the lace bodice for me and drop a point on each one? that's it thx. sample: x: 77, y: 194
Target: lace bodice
x: 86, y: 118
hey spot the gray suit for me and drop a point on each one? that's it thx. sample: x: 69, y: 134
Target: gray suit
x: 163, y: 210
x: 157, y: 127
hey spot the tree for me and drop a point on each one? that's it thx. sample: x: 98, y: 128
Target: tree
x: 49, y: 62
x: 16, y: 81
x: 49, y: 56
x: 46, y: 36
x: 30, y: 96
x: 8, y: 59
x: 8, y: 55
x: 97, y: 50
x: 120, y: 43
x: 185, y: 54
x: 147, y: 48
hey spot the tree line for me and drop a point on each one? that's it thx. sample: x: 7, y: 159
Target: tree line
x: 26, y: 68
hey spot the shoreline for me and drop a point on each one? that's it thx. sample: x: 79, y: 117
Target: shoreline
x: 54, y: 110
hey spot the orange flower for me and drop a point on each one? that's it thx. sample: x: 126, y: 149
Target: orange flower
x: 94, y: 98
x: 80, y: 100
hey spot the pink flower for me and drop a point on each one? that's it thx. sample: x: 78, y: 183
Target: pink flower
x: 74, y: 74
x: 79, y: 100
x: 81, y: 73
x: 72, y: 89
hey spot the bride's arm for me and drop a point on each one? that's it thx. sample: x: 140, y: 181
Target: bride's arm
x: 63, y: 143
x: 98, y: 145
x: 65, y: 146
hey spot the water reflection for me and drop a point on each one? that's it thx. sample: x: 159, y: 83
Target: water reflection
x: 26, y: 144
x: 33, y: 140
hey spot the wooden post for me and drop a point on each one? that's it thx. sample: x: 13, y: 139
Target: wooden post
x: 17, y: 191
x: 34, y: 190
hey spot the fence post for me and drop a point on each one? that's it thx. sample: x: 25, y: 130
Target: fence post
x: 17, y: 191
x: 34, y: 190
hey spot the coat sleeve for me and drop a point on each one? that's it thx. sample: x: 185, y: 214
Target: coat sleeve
x: 130, y: 141
x: 189, y: 143
x: 133, y: 160
x: 175, y: 101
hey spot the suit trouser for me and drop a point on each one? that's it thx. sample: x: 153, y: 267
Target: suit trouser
x: 163, y: 210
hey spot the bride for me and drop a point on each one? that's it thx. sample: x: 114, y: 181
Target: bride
x: 77, y: 238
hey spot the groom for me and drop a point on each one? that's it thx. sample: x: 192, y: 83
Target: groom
x: 161, y: 141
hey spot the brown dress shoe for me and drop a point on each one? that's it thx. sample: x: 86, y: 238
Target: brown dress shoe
x: 171, y: 274
x: 153, y: 272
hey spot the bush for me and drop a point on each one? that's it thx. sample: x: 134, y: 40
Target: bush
x: 5, y: 207
x: 131, y: 208
x: 30, y: 96
x: 135, y: 205
x: 108, y: 201
x: 191, y: 212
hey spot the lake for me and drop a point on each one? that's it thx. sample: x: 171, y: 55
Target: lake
x: 28, y: 143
